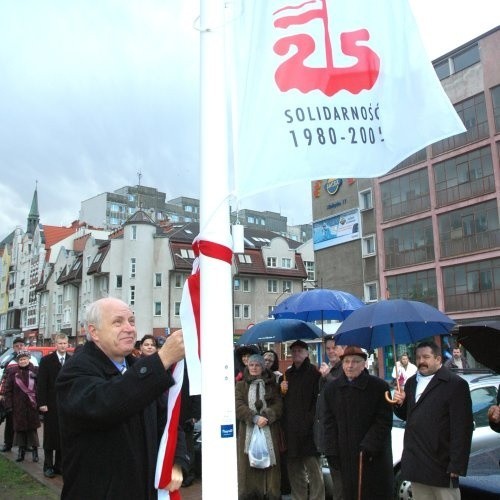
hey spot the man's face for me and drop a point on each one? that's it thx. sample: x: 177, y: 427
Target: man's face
x: 427, y: 362
x: 333, y: 352
x: 457, y: 353
x: 116, y: 335
x: 404, y: 360
x: 353, y: 366
x: 19, y: 346
x: 61, y: 345
x: 299, y: 354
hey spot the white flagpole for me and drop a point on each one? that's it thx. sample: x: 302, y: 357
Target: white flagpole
x: 219, y: 476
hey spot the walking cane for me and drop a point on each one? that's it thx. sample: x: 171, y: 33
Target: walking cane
x: 360, y: 474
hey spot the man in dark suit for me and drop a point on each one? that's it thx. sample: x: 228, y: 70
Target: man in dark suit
x: 108, y: 409
x: 437, y: 407
x: 47, y: 404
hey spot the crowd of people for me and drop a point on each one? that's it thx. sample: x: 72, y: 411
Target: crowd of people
x: 105, y: 407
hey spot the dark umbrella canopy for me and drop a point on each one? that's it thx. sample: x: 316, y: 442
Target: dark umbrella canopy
x: 317, y: 305
x: 279, y: 330
x: 482, y: 340
x: 389, y: 322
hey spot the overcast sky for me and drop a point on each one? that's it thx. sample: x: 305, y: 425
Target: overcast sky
x: 94, y: 91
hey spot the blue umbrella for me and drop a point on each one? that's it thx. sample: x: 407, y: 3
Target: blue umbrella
x: 279, y: 330
x: 393, y: 322
x: 389, y: 322
x: 318, y: 304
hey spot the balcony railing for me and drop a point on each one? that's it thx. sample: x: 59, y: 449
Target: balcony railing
x: 466, y: 190
x: 471, y: 301
x: 471, y: 244
x: 409, y: 257
x: 408, y: 207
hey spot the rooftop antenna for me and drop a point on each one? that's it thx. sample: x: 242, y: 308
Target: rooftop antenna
x: 139, y: 204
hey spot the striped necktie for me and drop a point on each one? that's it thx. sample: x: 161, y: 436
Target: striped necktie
x: 123, y: 369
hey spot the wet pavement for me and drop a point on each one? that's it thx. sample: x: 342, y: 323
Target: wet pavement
x: 55, y: 484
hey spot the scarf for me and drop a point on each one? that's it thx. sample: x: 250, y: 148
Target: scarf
x: 29, y: 389
x: 257, y: 387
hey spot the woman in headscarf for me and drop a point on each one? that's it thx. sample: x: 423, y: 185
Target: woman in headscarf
x: 20, y: 398
x: 258, y: 402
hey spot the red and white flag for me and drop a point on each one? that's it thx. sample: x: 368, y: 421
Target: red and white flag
x: 331, y: 88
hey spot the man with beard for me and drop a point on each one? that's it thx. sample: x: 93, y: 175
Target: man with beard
x: 437, y: 407
x: 299, y: 385
x: 357, y: 428
x: 109, y: 411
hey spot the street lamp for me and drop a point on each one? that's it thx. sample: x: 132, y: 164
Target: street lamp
x: 286, y: 290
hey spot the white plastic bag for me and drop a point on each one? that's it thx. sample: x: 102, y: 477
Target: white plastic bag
x: 258, y: 454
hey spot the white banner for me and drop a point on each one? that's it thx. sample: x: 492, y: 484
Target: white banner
x: 331, y: 88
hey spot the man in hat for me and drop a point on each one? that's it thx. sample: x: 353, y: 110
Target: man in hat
x: 357, y: 429
x: 300, y: 385
x: 8, y: 435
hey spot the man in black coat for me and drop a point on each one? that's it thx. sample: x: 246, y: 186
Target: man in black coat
x: 48, y: 370
x: 437, y: 407
x: 357, y: 424
x: 300, y: 386
x: 108, y: 410
x: 494, y: 414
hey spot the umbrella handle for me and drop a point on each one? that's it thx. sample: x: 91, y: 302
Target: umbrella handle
x: 389, y: 399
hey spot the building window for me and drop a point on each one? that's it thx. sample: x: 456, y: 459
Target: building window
x: 244, y: 259
x: 270, y: 310
x: 158, y: 279
x: 472, y: 111
x: 236, y: 284
x: 187, y: 253
x: 365, y: 200
x: 157, y: 309
x: 67, y: 292
x: 177, y: 309
x: 247, y: 311
x: 495, y: 99
x: 132, y: 267
x: 286, y: 286
x: 466, y: 58
x: 237, y: 311
x: 246, y: 285
x: 465, y: 176
x: 371, y: 292
x: 368, y: 243
x: 286, y: 262
x: 311, y: 272
x: 409, y: 244
x: 131, y: 299
x: 405, y: 195
x: 179, y: 280
x: 472, y: 286
x: 272, y: 286
x: 59, y: 304
x: 133, y: 233
x: 470, y: 229
x: 271, y: 262
x: 419, y: 286
x: 442, y: 69
x: 119, y: 281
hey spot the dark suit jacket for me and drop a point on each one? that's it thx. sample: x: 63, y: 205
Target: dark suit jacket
x: 46, y: 396
x: 109, y: 425
x: 438, y: 429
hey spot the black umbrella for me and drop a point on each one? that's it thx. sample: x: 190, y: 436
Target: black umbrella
x: 482, y: 340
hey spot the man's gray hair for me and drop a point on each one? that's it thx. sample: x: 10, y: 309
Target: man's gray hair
x: 92, y: 317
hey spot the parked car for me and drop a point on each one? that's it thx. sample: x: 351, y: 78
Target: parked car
x: 485, y: 449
